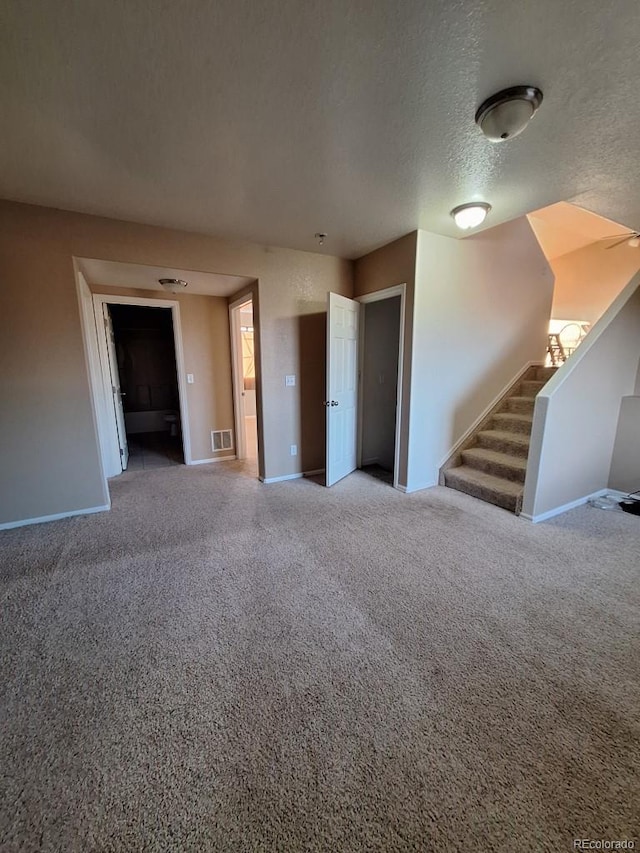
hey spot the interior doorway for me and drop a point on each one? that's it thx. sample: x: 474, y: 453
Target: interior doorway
x: 244, y: 378
x: 364, y: 386
x: 144, y: 359
x: 380, y: 353
x: 139, y: 384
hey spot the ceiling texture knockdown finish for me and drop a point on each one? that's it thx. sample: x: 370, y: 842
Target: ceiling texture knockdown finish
x: 271, y: 121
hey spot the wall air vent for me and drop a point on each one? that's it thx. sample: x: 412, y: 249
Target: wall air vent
x: 221, y: 439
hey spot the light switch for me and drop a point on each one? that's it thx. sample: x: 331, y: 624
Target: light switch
x: 190, y: 378
x: 290, y: 380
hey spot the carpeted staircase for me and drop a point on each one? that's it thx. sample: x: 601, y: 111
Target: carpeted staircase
x: 493, y: 462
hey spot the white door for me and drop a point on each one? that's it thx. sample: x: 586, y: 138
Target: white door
x: 342, y: 387
x: 115, y: 386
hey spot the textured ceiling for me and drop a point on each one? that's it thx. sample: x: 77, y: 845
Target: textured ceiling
x: 269, y: 121
x: 562, y: 228
x: 142, y: 277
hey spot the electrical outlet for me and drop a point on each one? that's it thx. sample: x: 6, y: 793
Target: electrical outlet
x: 290, y: 380
x: 294, y: 449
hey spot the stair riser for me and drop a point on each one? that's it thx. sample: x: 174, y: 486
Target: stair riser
x: 508, y: 502
x: 531, y: 388
x: 496, y: 477
x: 497, y: 469
x: 503, y: 422
x: 544, y: 374
x: 519, y: 407
x: 503, y: 445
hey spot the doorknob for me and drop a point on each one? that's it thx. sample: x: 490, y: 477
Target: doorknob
x: 335, y: 403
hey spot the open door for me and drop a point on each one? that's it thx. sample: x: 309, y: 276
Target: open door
x: 244, y: 377
x: 342, y: 387
x: 115, y: 386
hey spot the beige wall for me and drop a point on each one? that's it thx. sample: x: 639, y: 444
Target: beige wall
x: 481, y: 313
x: 394, y: 264
x: 625, y: 461
x: 576, y: 415
x: 589, y: 279
x: 477, y: 312
x: 204, y: 324
x: 49, y: 454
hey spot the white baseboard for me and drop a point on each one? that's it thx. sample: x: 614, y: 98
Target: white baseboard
x: 551, y: 513
x: 292, y: 476
x: 281, y: 479
x: 8, y: 525
x: 408, y: 490
x: 207, y: 461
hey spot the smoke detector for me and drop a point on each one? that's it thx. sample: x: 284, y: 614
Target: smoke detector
x: 173, y: 285
x: 507, y: 113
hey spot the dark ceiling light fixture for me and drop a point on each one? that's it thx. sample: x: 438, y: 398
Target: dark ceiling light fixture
x: 321, y: 237
x: 173, y: 285
x: 507, y: 113
x: 470, y: 215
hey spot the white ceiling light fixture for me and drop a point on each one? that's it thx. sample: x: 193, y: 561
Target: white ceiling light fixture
x: 470, y: 215
x: 507, y: 113
x: 173, y: 285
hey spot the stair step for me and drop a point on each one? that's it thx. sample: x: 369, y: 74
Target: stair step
x: 496, y: 463
x: 512, y: 422
x: 520, y: 405
x: 545, y: 373
x: 531, y: 387
x: 495, y: 490
x: 514, y: 443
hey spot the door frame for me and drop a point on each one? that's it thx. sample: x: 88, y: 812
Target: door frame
x: 237, y: 372
x: 116, y: 386
x: 102, y: 383
x: 378, y: 296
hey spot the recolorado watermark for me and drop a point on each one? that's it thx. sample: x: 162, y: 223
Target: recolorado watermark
x: 603, y: 844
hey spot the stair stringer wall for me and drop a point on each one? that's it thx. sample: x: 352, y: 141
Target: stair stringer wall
x: 575, y: 417
x: 481, y: 310
x: 469, y: 438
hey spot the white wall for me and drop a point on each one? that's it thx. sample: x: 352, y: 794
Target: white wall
x: 481, y: 311
x: 380, y: 381
x: 576, y: 415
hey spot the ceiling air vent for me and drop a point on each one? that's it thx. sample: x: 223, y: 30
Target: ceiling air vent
x: 221, y: 439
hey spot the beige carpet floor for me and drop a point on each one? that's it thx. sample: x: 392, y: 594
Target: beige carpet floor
x: 219, y: 665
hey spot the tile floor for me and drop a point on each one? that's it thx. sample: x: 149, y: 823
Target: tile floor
x: 154, y: 450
